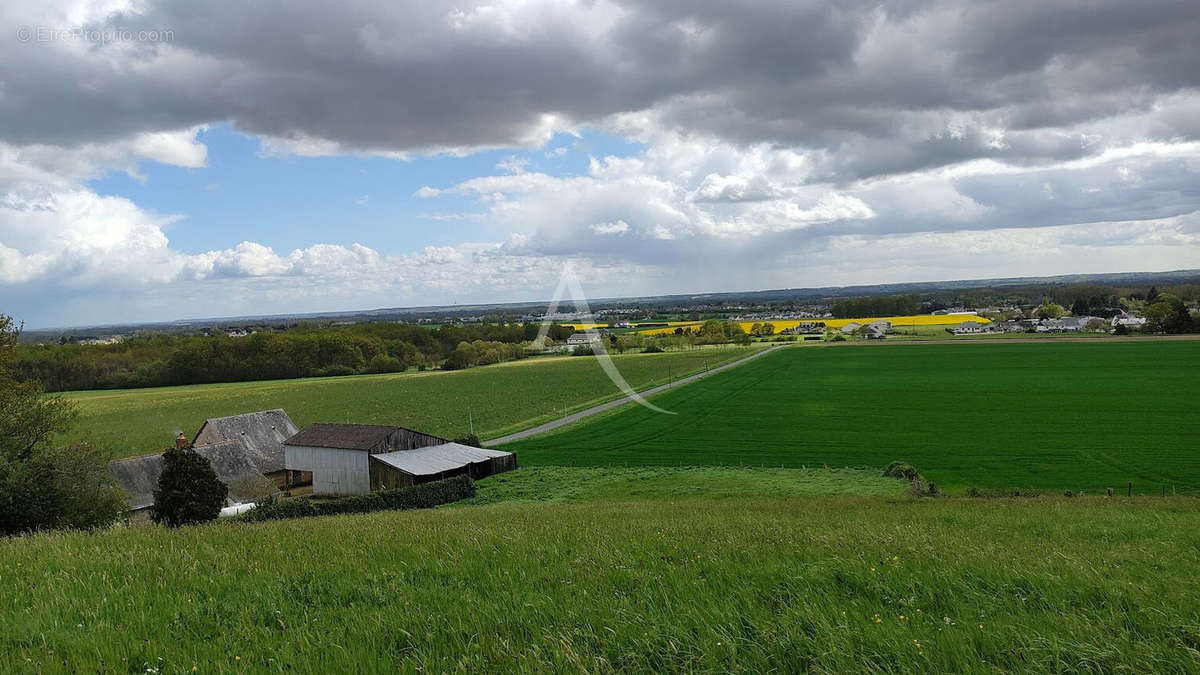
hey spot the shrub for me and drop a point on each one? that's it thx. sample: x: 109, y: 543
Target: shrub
x: 382, y: 363
x: 901, y: 470
x: 188, y: 490
x: 251, y: 487
x: 652, y: 349
x: 424, y: 496
x: 583, y: 350
x: 470, y: 439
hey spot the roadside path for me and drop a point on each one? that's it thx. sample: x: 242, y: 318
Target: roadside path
x: 594, y: 410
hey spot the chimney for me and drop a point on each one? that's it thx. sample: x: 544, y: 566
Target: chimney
x: 181, y: 441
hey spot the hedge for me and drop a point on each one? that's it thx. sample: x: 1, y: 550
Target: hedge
x: 424, y: 496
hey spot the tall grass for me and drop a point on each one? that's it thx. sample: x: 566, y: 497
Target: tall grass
x: 832, y: 584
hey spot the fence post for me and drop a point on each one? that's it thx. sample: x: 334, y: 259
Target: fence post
x: 1130, y: 493
x: 1109, y: 491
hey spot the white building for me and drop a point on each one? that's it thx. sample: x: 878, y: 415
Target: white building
x: 583, y: 338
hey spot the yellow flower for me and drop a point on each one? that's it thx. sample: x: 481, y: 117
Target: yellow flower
x: 901, y: 616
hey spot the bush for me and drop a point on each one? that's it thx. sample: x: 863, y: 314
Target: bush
x: 424, y: 496
x: 382, y: 363
x: 188, y: 490
x: 901, y: 470
x: 652, y: 349
x: 583, y: 350
x: 251, y: 487
x: 470, y: 439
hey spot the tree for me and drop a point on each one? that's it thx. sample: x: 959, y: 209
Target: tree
x: 1050, y: 310
x: 188, y: 490
x: 1152, y: 296
x: 1168, y: 315
x: 43, y: 486
x: 1079, y: 307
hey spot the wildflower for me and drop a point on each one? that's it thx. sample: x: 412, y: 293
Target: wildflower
x: 901, y: 616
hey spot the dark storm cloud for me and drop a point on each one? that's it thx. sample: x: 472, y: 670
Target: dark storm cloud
x: 877, y: 88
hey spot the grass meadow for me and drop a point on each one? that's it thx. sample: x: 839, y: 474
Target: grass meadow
x: 651, y: 582
x: 499, y: 398
x: 1051, y: 415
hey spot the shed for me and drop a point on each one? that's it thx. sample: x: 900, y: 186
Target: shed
x: 412, y: 467
x: 342, y: 457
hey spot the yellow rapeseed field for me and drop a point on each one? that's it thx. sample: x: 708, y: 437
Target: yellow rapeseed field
x: 896, y: 321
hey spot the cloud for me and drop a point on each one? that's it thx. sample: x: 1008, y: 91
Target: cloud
x: 876, y: 88
x: 780, y: 143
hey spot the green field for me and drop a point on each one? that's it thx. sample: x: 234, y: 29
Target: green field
x: 559, y: 484
x: 499, y: 398
x: 657, y: 583
x: 1051, y: 415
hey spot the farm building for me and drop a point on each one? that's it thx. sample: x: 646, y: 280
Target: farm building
x: 849, y: 328
x: 261, y: 435
x: 970, y: 328
x: 347, y: 459
x: 236, y: 446
x: 583, y: 338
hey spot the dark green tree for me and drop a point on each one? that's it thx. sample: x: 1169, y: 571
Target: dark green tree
x: 188, y: 490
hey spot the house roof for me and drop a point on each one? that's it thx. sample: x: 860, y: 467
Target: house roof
x: 435, y: 459
x: 344, y: 436
x: 139, y: 475
x: 261, y: 435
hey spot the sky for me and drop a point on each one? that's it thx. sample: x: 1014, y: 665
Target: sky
x: 172, y: 159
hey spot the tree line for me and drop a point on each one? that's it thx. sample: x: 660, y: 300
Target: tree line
x: 884, y: 305
x: 304, y: 351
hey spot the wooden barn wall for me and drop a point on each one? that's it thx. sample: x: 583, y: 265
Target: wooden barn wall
x: 407, y: 439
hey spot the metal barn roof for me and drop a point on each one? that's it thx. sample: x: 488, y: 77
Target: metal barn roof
x: 435, y: 459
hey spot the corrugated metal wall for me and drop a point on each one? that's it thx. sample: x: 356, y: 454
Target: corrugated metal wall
x: 334, y: 471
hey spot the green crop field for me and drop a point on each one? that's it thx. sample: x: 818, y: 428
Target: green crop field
x: 1051, y: 415
x: 499, y: 398
x: 652, y: 582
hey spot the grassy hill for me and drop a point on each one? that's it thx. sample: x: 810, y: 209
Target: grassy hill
x: 660, y: 580
x: 499, y: 398
x: 1063, y: 416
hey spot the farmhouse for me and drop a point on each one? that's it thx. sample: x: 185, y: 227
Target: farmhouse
x: 348, y: 459
x: 849, y: 328
x: 236, y: 446
x: 260, y: 435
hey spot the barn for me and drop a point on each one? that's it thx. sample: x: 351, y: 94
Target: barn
x: 348, y: 459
